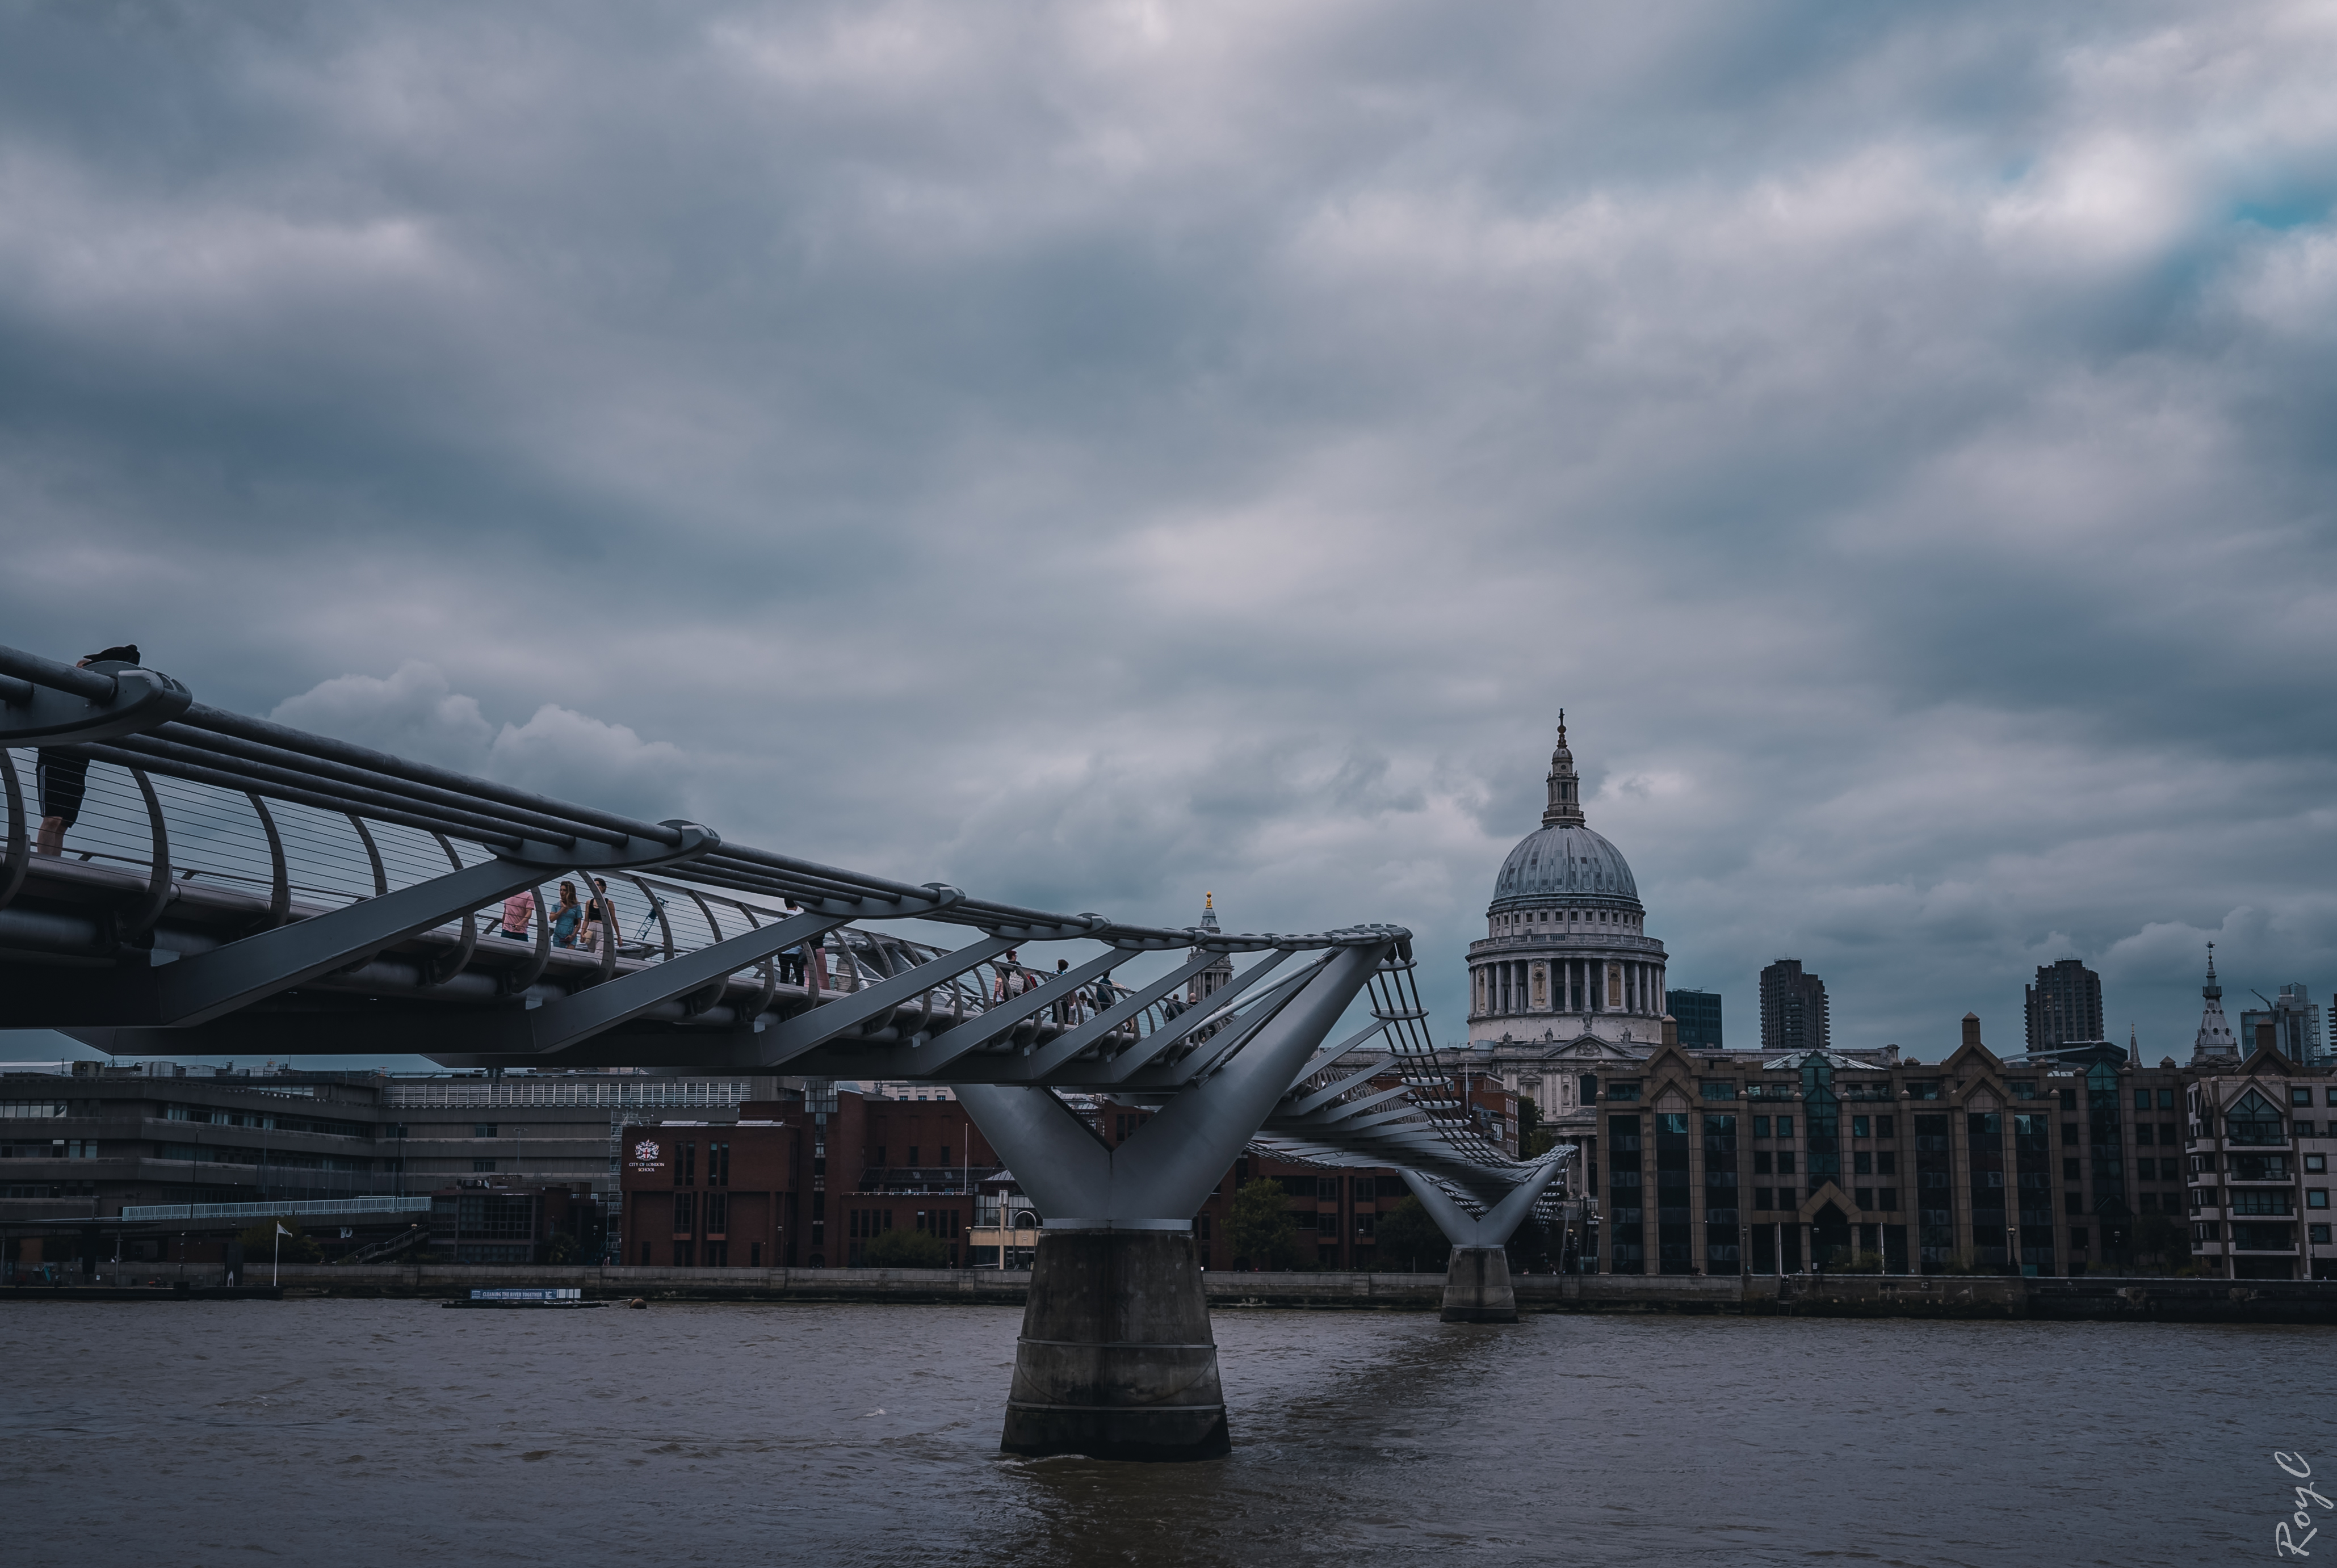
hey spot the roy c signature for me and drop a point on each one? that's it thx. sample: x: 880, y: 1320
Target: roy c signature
x: 2293, y: 1537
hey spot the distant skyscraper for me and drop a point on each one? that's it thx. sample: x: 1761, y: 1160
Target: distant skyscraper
x: 1793, y: 1015
x: 2215, y: 1038
x: 1698, y: 1013
x: 2295, y: 1025
x: 2064, y: 1004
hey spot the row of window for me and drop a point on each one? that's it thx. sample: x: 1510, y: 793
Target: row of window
x: 718, y: 1164
x: 217, y: 1116
x: 941, y: 1154
x: 2259, y: 1201
x: 1515, y: 922
x: 690, y: 1208
x: 2146, y: 1135
x: 2256, y: 1235
x: 287, y: 1159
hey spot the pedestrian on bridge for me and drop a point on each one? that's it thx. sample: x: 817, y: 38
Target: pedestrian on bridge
x: 791, y: 962
x: 518, y: 909
x: 566, y: 916
x: 63, y: 775
x: 599, y: 915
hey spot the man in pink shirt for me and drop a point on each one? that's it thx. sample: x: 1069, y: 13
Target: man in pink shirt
x: 518, y: 909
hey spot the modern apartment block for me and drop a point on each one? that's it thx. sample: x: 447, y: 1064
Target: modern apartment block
x: 1697, y: 1014
x: 2259, y: 1139
x: 2064, y: 1007
x: 1794, y: 1011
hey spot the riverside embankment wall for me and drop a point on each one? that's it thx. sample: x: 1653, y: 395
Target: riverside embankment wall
x: 2090, y: 1298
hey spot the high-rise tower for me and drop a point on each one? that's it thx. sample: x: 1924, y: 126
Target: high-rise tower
x: 1794, y: 1014
x: 2064, y: 1007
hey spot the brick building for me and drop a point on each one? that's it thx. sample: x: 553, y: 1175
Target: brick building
x: 808, y: 1182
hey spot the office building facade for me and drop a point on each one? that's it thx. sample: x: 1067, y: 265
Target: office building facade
x: 1698, y: 1015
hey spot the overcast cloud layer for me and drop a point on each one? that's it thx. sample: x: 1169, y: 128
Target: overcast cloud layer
x: 1100, y: 452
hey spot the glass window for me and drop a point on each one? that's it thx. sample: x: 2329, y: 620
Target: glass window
x: 2022, y: 1088
x: 1858, y: 1126
x: 2142, y: 1099
x: 1886, y: 1127
x: 2317, y: 1235
x: 2300, y: 1096
x: 1760, y: 1126
x: 2167, y: 1099
x: 2316, y: 1162
x: 1784, y: 1127
x: 1786, y: 1162
x: 1763, y: 1164
x: 2316, y: 1197
x: 1623, y: 1089
x: 1719, y: 1089
x: 2332, y: 1100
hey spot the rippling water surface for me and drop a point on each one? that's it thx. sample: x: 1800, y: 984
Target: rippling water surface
x: 396, y: 1432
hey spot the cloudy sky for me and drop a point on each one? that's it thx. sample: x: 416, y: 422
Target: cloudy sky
x: 1096, y: 453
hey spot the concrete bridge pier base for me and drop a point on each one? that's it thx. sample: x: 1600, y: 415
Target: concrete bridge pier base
x: 1115, y: 1360
x: 1476, y: 1287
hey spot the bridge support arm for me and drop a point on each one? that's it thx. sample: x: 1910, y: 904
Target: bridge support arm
x: 1116, y: 1359
x: 1476, y: 1287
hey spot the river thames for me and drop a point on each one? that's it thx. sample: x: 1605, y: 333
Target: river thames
x: 397, y: 1431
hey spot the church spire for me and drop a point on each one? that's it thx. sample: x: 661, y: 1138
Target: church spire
x: 1565, y: 808
x: 1209, y: 911
x: 2215, y: 1037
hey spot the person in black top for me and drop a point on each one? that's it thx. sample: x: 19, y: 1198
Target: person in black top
x: 63, y: 775
x: 600, y: 920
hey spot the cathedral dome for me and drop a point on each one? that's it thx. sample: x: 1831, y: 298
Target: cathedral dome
x: 1562, y: 863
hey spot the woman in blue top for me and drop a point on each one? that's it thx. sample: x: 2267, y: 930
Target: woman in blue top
x: 565, y: 918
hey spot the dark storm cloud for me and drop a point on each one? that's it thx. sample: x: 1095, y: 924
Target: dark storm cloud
x: 1101, y: 453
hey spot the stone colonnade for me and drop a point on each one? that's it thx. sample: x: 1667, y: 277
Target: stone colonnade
x: 1507, y: 987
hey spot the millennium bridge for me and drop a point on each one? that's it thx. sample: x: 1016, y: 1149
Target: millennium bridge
x: 179, y: 879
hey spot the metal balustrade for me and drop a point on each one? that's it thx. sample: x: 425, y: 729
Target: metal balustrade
x: 234, y: 886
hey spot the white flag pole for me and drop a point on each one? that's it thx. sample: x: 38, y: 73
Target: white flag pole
x: 274, y: 1262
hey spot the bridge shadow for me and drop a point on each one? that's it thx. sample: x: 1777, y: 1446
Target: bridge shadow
x: 1338, y: 1421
